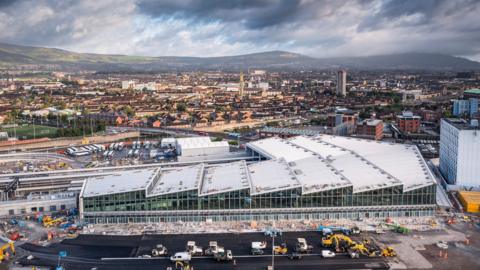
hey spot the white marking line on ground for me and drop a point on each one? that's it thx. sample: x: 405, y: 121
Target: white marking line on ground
x: 200, y: 257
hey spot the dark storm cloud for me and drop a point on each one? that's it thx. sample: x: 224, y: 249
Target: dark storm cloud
x: 254, y: 14
x: 425, y: 10
x: 321, y: 28
x: 6, y: 3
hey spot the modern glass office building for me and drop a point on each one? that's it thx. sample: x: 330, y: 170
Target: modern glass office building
x: 321, y: 177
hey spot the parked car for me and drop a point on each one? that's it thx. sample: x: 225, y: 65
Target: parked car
x: 328, y: 254
x: 181, y: 257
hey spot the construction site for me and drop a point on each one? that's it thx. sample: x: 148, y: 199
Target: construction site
x: 46, y: 242
x: 321, y: 202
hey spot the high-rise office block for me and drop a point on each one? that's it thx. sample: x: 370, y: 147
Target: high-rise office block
x: 460, y: 152
x: 465, y: 107
x: 341, y: 83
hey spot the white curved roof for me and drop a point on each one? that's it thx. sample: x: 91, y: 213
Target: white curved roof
x: 402, y: 161
x: 367, y: 164
x: 275, y: 148
x: 225, y: 177
x: 271, y: 176
x: 123, y: 181
x: 313, y: 164
x: 176, y: 180
x: 316, y: 175
x: 362, y: 173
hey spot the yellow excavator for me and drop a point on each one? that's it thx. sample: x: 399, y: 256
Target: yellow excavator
x: 388, y: 252
x: 4, y: 248
x: 337, y: 241
x: 358, y: 249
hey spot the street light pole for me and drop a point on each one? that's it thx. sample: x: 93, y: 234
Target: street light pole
x: 273, y: 252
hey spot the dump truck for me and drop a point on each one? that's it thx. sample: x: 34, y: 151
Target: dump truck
x: 193, y: 249
x: 159, y: 250
x: 258, y: 247
x: 302, y: 246
x: 213, y: 248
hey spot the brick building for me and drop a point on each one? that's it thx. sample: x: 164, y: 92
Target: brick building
x: 407, y: 122
x: 370, y: 128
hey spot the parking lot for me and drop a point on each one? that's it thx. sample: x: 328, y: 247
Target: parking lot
x: 128, y: 153
x: 125, y: 252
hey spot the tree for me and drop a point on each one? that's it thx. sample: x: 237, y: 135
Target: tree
x: 128, y: 110
x: 181, y: 107
x: 218, y: 139
x: 364, y: 115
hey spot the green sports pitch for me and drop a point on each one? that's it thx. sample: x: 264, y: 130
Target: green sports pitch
x: 27, y: 131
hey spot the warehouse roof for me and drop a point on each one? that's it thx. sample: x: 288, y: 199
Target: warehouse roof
x: 225, y: 177
x: 199, y: 142
x: 122, y: 181
x: 272, y: 175
x: 472, y: 91
x: 176, y: 180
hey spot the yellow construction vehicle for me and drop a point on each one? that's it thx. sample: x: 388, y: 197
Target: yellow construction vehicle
x: 3, y: 250
x: 358, y: 249
x: 182, y: 265
x: 46, y: 219
x: 339, y: 242
x: 53, y: 222
x: 388, y: 252
x: 282, y: 249
x: 85, y: 140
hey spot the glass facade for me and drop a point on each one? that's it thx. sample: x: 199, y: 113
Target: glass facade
x: 343, y: 199
x: 267, y: 215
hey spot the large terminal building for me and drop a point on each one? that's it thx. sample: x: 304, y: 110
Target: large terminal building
x: 320, y: 177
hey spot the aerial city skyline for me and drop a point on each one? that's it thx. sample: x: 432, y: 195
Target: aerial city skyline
x: 242, y: 134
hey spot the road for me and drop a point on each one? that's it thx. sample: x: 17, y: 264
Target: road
x: 121, y: 252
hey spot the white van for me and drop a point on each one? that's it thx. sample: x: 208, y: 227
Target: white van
x: 181, y: 257
x: 328, y: 254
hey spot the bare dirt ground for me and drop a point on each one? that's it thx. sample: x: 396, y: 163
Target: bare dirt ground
x: 460, y: 255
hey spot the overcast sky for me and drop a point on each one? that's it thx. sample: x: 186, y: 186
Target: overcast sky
x: 320, y: 28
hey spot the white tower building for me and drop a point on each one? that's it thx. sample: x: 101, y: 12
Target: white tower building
x: 460, y: 152
x: 342, y: 83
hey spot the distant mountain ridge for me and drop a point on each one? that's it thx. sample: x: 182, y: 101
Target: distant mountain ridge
x: 275, y: 60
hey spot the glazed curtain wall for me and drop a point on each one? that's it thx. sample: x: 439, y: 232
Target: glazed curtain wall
x: 241, y: 199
